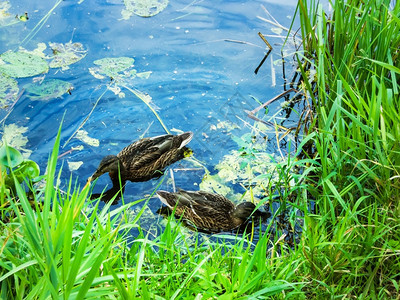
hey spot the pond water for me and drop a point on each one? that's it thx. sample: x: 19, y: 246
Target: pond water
x: 201, y: 54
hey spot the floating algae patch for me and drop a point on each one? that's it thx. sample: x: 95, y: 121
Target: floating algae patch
x: 13, y: 135
x: 249, y: 167
x: 22, y: 64
x: 143, y: 8
x: 66, y: 54
x: 74, y: 165
x: 48, y: 89
x: 84, y: 137
x: 225, y: 125
x: 8, y: 91
x: 7, y: 18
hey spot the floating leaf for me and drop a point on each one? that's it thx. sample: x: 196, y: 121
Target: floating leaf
x: 276, y: 30
x: 13, y: 134
x: 143, y: 8
x: 74, y: 165
x: 21, y: 64
x: 144, y: 75
x: 13, y: 154
x: 83, y: 136
x: 62, y: 55
x: 28, y: 169
x: 8, y: 90
x: 120, y: 70
x: 66, y: 54
x: 48, y: 89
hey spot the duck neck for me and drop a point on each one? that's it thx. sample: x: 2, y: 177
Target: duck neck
x: 116, y: 174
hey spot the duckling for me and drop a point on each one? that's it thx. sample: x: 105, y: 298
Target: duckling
x: 143, y: 160
x: 207, y: 211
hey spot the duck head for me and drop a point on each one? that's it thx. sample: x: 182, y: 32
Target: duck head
x: 244, y: 210
x: 109, y: 164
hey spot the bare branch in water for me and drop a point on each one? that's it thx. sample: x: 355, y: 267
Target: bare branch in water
x: 265, y: 40
x: 272, y: 100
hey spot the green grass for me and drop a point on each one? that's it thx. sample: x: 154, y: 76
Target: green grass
x: 350, y: 244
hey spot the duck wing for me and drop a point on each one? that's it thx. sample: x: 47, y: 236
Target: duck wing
x: 202, y: 204
x: 206, y: 204
x: 156, y: 150
x: 140, y: 147
x: 207, y: 211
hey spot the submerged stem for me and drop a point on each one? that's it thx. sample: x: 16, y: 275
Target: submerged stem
x: 140, y: 96
x: 85, y: 120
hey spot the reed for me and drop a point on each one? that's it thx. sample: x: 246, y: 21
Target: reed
x: 349, y: 242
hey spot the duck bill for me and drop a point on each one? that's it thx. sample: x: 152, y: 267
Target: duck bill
x: 94, y: 176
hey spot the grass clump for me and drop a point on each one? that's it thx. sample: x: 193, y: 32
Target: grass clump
x: 350, y: 243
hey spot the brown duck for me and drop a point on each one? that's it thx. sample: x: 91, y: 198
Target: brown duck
x: 143, y: 160
x: 207, y: 211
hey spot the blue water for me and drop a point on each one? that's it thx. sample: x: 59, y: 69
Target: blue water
x: 198, y: 78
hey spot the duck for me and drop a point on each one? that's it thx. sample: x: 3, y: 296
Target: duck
x: 208, y: 212
x: 142, y: 160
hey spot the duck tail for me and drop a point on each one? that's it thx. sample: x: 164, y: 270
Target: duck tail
x: 166, y: 198
x: 186, y: 138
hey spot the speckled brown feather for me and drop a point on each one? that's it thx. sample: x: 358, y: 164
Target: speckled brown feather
x: 211, y: 212
x: 146, y: 158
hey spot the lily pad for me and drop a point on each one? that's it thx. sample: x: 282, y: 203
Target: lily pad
x: 119, y: 69
x: 39, y: 51
x: 14, y: 155
x: 66, y: 54
x: 48, y: 89
x: 8, y: 90
x: 112, y: 66
x: 21, y: 64
x: 143, y: 8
